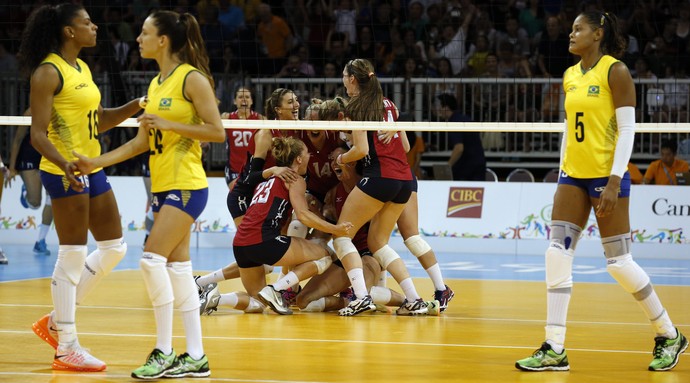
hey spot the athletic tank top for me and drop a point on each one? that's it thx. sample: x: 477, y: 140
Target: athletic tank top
x: 73, y: 122
x: 175, y: 160
x: 592, y: 128
x: 237, y: 143
x: 266, y: 215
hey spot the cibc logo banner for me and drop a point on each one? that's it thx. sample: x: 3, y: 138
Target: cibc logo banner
x: 465, y: 202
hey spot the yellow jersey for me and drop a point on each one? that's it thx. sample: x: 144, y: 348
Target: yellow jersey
x: 73, y: 122
x: 175, y: 160
x: 592, y: 131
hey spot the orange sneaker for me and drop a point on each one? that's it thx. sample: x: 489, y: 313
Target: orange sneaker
x: 46, y: 330
x: 76, y: 358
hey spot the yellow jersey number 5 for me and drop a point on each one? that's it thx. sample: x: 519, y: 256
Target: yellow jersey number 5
x: 579, y: 127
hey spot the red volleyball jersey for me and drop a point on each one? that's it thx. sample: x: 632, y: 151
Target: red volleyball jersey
x: 320, y: 176
x: 387, y: 160
x: 266, y: 215
x: 237, y: 142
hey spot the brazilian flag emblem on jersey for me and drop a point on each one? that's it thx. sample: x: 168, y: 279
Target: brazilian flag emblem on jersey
x: 593, y: 90
x: 165, y: 103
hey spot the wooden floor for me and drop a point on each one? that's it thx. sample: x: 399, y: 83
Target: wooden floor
x: 488, y: 326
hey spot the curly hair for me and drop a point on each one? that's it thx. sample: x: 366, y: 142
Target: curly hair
x: 43, y: 34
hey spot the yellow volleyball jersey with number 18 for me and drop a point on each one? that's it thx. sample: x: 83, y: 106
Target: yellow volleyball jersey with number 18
x: 592, y: 127
x: 175, y: 160
x: 73, y: 122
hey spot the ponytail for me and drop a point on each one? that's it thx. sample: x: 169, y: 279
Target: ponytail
x: 613, y: 42
x: 185, y: 39
x: 368, y: 104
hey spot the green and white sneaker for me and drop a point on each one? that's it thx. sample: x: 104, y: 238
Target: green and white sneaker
x: 156, y: 365
x: 544, y: 359
x: 667, y: 351
x: 185, y: 366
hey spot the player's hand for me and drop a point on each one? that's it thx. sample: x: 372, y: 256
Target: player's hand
x: 71, y: 169
x: 286, y: 174
x: 83, y: 164
x: 9, y: 176
x: 342, y: 229
x: 152, y: 121
x: 608, y: 198
x: 386, y: 136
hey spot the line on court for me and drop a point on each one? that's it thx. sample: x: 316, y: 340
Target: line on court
x: 111, y: 376
x: 351, y: 341
x: 446, y: 318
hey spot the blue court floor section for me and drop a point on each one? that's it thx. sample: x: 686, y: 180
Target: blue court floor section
x: 24, y: 264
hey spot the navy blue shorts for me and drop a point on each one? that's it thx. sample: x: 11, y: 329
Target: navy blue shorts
x: 28, y: 158
x: 387, y: 189
x: 57, y: 186
x: 191, y: 202
x: 237, y: 203
x: 264, y: 253
x: 595, y: 186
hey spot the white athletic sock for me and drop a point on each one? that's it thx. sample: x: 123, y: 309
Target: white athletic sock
x: 164, y: 326
x: 436, y: 277
x: 557, y: 302
x: 70, y: 262
x: 652, y: 307
x: 216, y: 276
x: 356, y: 277
x: 43, y: 232
x: 99, y: 264
x: 408, y: 288
x: 192, y: 331
x: 229, y: 299
x: 289, y: 280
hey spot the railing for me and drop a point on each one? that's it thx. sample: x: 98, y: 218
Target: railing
x: 482, y: 99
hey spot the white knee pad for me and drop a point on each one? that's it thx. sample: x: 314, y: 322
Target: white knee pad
x: 565, y: 233
x: 49, y: 201
x: 417, y: 245
x: 156, y: 279
x: 559, y: 267
x: 344, y: 246
x: 323, y: 263
x: 628, y: 273
x: 385, y: 256
x: 316, y: 306
x: 297, y: 229
x: 110, y: 253
x: 183, y: 286
x: 70, y: 263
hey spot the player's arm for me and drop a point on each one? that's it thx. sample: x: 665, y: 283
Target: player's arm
x: 359, y: 149
x: 299, y: 204
x: 109, y: 118
x: 45, y: 81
